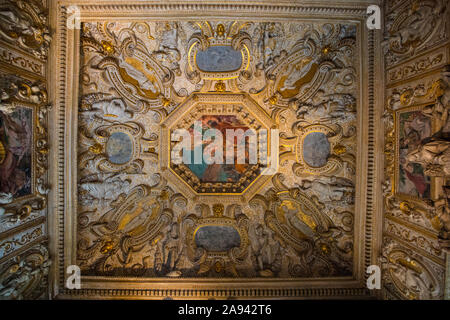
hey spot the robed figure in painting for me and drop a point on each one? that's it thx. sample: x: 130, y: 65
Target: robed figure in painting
x: 15, y: 155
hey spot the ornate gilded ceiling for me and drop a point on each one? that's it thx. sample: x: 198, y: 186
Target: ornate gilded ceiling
x: 338, y: 138
x: 140, y: 214
x: 104, y: 100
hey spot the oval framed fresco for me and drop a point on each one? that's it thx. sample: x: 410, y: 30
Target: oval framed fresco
x: 316, y: 149
x: 217, y: 238
x: 219, y: 59
x: 119, y: 148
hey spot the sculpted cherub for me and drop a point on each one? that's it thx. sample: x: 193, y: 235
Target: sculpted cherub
x: 323, y: 107
x: 113, y: 110
x: 434, y: 156
x: 330, y: 189
x: 106, y: 190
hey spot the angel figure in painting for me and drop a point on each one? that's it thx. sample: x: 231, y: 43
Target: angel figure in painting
x: 16, y: 144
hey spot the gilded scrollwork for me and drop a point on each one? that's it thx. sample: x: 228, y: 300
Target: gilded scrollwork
x: 25, y: 276
x: 118, y: 147
x: 142, y: 81
x: 408, y: 274
x: 233, y: 224
x: 24, y: 149
x: 334, y: 156
x: 428, y: 152
x: 24, y: 23
x: 313, y: 242
x: 120, y: 234
x: 414, y: 27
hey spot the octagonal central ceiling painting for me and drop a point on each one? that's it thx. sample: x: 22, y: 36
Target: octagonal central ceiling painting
x: 142, y: 214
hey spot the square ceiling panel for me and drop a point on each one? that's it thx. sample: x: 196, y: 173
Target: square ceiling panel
x: 138, y: 221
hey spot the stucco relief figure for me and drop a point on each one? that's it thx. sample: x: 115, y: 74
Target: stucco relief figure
x: 15, y: 281
x: 168, y: 52
x: 170, y: 252
x: 21, y: 279
x: 169, y: 38
x: 336, y: 107
x: 266, y: 252
x: 114, y: 109
x: 140, y: 219
x: 330, y: 190
x: 440, y: 110
x: 434, y: 156
x: 270, y: 35
x: 106, y: 190
x: 417, y: 284
x: 442, y: 209
x: 15, y: 25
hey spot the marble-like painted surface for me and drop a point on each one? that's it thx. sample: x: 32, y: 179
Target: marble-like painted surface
x: 219, y: 59
x: 119, y: 148
x: 217, y: 238
x: 316, y: 149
